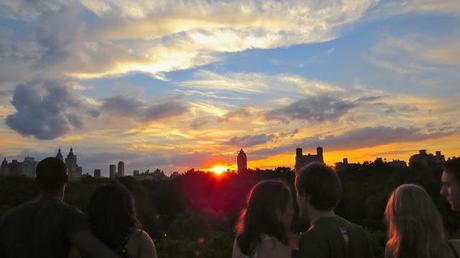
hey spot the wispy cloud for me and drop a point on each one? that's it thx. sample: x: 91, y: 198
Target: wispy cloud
x: 167, y: 35
x: 415, y: 54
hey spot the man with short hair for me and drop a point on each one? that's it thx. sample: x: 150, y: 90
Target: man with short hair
x: 450, y: 189
x: 48, y: 227
x: 330, y: 236
x: 450, y: 183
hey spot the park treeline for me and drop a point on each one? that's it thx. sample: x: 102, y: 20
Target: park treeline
x: 194, y: 214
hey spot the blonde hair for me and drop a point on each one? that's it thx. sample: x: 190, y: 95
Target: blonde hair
x: 415, y: 226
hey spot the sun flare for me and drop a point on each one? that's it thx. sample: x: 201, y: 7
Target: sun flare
x: 218, y: 169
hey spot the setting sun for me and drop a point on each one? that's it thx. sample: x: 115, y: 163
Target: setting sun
x: 218, y: 169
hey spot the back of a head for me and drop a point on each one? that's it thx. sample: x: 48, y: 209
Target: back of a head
x: 112, y: 213
x: 453, y: 166
x: 321, y: 184
x: 414, y: 223
x: 265, y: 199
x: 51, y: 174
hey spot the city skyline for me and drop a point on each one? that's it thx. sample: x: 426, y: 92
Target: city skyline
x: 422, y: 156
x: 174, y: 85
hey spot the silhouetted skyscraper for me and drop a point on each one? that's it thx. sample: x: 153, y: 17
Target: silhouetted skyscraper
x: 121, y: 168
x: 242, y: 162
x: 28, y: 167
x: 112, y: 170
x: 97, y: 173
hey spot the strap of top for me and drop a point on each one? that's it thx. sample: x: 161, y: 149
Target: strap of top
x: 346, y: 239
x: 453, y: 250
x: 123, y: 250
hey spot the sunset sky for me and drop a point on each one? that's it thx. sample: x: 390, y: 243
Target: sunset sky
x: 180, y: 84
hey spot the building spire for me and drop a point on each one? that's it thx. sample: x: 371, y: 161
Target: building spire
x: 59, y: 155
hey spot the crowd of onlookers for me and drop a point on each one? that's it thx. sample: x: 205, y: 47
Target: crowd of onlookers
x: 48, y: 227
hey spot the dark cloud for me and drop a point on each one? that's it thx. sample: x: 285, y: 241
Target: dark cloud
x: 241, y: 113
x: 314, y: 108
x: 5, y: 93
x: 122, y: 106
x: 250, y: 140
x: 360, y: 138
x: 44, y: 109
x: 201, y: 122
x: 288, y: 133
x: 138, y: 110
x: 163, y: 110
x: 400, y: 109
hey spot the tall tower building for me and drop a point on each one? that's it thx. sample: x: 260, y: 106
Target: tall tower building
x: 121, y: 168
x: 242, y: 162
x: 72, y: 167
x: 112, y: 170
x: 4, y: 170
x: 28, y: 167
x: 59, y: 155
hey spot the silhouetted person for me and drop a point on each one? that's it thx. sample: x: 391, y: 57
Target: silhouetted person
x: 263, y: 227
x: 329, y: 236
x: 450, y: 188
x: 415, y: 227
x: 47, y: 227
x: 112, y: 215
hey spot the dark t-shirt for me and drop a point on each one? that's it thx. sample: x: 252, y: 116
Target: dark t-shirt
x: 40, y: 229
x: 334, y: 237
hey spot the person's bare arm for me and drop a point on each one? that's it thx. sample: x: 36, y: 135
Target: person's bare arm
x: 88, y: 244
x: 273, y: 249
x: 147, y: 247
x: 456, y: 244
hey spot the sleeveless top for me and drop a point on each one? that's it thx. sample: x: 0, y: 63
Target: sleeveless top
x: 263, y: 237
x: 122, y: 250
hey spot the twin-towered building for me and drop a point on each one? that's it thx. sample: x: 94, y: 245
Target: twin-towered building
x: 300, y: 159
x: 73, y: 169
x: 113, y: 170
x: 303, y: 160
x: 27, y: 167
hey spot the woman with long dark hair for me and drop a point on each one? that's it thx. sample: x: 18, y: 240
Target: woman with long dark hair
x: 264, y: 225
x: 415, y: 227
x: 112, y: 215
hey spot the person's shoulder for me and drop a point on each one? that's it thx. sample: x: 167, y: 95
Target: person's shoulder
x: 71, y: 209
x: 138, y: 233
x: 353, y: 226
x: 13, y: 213
x: 140, y: 244
x: 140, y: 238
x: 272, y: 247
x: 313, y: 234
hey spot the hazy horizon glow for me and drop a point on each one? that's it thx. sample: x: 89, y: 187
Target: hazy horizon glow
x: 178, y: 85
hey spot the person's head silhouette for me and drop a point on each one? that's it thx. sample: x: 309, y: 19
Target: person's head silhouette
x: 51, y: 176
x: 318, y: 190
